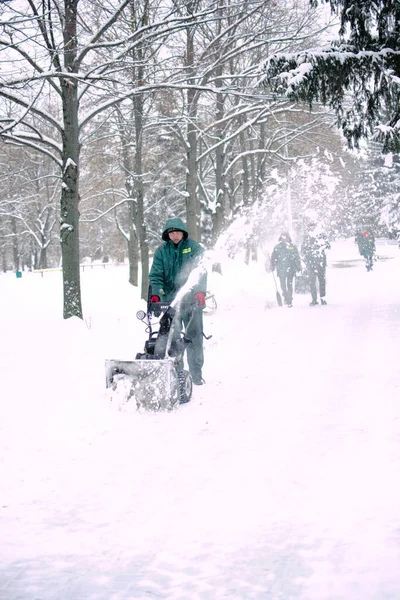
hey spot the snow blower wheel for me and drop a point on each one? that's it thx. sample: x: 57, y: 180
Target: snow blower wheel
x: 185, y: 386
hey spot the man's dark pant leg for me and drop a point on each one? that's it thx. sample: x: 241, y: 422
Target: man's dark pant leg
x: 194, y: 332
x: 322, y: 282
x: 284, y: 289
x: 289, y: 287
x: 313, y: 284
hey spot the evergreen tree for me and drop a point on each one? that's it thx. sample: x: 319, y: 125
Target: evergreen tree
x: 357, y: 75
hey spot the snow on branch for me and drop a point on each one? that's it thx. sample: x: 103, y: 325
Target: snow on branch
x: 359, y: 85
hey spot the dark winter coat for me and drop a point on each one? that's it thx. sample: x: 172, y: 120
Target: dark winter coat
x: 285, y: 259
x: 313, y: 252
x: 172, y: 264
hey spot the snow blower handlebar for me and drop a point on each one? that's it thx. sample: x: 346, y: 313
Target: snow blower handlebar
x: 155, y: 308
x: 168, y: 310
x: 159, y: 307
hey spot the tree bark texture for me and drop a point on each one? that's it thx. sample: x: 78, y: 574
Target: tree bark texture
x: 69, y: 217
x: 132, y: 239
x: 220, y: 190
x: 192, y: 203
x: 133, y: 247
x: 138, y: 102
x: 15, y: 245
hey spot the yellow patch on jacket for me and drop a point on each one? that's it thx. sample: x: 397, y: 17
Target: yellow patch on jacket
x: 186, y: 250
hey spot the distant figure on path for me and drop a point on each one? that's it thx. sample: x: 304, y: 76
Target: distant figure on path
x: 285, y: 259
x: 366, y: 247
x: 313, y: 252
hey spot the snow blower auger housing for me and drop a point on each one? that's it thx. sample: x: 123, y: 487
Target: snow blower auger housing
x: 155, y: 380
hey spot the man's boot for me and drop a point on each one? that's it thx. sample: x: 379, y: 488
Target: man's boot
x: 197, y: 380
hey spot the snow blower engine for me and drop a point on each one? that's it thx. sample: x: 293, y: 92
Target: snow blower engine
x: 156, y: 379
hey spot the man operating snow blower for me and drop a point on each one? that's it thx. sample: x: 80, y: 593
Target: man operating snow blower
x: 173, y: 262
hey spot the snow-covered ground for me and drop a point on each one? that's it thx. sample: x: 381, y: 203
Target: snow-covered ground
x: 279, y: 480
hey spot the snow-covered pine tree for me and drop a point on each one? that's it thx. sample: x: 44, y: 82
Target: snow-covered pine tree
x: 357, y: 75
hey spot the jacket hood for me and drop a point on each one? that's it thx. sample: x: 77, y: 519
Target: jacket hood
x: 285, y: 237
x: 175, y: 223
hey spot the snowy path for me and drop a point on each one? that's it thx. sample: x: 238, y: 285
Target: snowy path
x: 278, y: 481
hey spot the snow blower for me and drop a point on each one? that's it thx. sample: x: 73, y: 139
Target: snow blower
x: 155, y: 379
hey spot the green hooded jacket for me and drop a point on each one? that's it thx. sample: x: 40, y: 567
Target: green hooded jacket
x: 172, y: 264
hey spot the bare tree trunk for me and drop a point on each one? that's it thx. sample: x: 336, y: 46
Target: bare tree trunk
x: 138, y: 106
x: 133, y: 247
x: 245, y: 174
x: 69, y: 217
x: 220, y: 192
x: 219, y: 217
x: 192, y: 208
x: 261, y: 160
x: 192, y: 202
x: 138, y: 102
x: 15, y: 245
x: 4, y: 259
x: 42, y: 261
x: 132, y: 237
x: 246, y: 186
x: 133, y: 256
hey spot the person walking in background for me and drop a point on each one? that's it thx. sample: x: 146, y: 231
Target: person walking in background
x: 285, y: 259
x: 366, y: 247
x: 172, y: 264
x: 313, y: 253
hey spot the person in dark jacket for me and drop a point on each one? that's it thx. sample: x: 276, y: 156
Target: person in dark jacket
x: 366, y: 247
x: 172, y: 264
x: 285, y: 259
x: 313, y: 252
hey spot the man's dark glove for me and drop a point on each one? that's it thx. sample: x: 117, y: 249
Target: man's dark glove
x: 200, y: 299
x: 155, y: 299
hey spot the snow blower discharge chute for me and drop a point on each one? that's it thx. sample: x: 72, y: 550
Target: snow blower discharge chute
x: 155, y: 379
